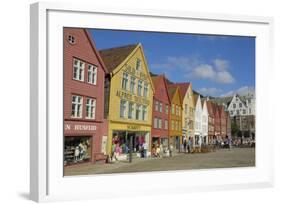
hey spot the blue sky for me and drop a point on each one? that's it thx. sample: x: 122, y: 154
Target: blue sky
x: 216, y: 65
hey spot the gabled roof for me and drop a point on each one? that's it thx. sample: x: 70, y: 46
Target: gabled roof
x: 182, y: 87
x: 95, y: 50
x: 171, y: 91
x: 156, y: 80
x: 210, y: 107
x: 195, y: 98
x: 113, y: 57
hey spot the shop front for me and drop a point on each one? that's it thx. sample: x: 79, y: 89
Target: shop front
x: 124, y: 138
x: 83, y: 142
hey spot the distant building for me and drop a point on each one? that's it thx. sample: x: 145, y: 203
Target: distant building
x: 241, y: 110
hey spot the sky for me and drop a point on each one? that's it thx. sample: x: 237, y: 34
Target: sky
x: 215, y: 65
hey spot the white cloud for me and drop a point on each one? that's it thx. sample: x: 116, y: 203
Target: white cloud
x: 210, y: 91
x: 244, y: 90
x: 217, y: 73
x: 194, y: 67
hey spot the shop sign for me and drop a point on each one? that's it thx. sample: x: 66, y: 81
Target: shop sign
x: 133, y: 127
x: 80, y: 127
x: 130, y: 97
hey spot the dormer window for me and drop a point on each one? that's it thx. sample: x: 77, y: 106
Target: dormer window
x: 71, y: 39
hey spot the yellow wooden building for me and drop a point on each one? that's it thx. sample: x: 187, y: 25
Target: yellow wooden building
x: 175, y: 119
x: 129, y: 97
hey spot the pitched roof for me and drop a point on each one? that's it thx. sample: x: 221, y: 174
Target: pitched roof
x: 210, y: 107
x: 156, y: 80
x: 171, y: 91
x: 195, y: 98
x: 182, y: 87
x: 113, y: 57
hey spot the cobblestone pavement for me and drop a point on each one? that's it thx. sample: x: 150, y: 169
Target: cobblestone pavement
x: 224, y: 158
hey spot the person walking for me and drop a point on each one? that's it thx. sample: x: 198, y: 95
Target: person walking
x: 189, y: 144
x: 184, y: 144
x: 144, y: 149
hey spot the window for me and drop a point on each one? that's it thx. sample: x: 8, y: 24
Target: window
x: 234, y: 106
x: 240, y: 104
x: 76, y: 106
x: 177, y: 110
x: 160, y: 107
x: 132, y: 85
x: 138, y: 112
x: 249, y: 100
x: 155, y: 122
x: 231, y: 112
x: 186, y: 109
x: 166, y: 124
x: 131, y: 110
x: 250, y: 111
x: 144, y: 112
x: 138, y: 64
x: 173, y: 109
x: 167, y: 109
x: 125, y: 81
x: 156, y: 105
x: 244, y: 111
x: 78, y: 70
x: 145, y: 90
x: 139, y: 87
x: 173, y: 125
x: 90, y: 108
x: 123, y: 108
x: 71, y: 39
x: 237, y: 112
x: 92, y: 74
x: 160, y: 123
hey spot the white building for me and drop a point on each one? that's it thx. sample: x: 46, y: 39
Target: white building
x: 197, y: 119
x: 204, y: 122
x: 238, y: 107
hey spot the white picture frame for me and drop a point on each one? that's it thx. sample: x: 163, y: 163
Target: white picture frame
x: 46, y: 139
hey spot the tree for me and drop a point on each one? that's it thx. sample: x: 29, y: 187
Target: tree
x: 234, y: 129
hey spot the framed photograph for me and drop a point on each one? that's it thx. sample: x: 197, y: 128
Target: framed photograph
x: 132, y: 102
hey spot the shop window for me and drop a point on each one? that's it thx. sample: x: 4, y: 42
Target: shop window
x: 77, y: 149
x: 144, y: 112
x: 138, y: 65
x: 132, y: 85
x: 91, y: 108
x: 131, y: 110
x: 125, y: 81
x: 139, y: 87
x: 123, y: 108
x: 76, y: 106
x: 92, y: 74
x: 145, y: 90
x: 78, y: 70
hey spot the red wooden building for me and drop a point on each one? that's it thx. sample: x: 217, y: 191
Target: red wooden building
x: 160, y: 111
x: 85, y: 129
x: 217, y: 121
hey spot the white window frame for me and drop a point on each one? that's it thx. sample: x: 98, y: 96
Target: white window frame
x: 131, y: 111
x: 159, y: 123
x: 138, y: 64
x: 155, y: 123
x: 145, y: 90
x: 92, y: 74
x: 144, y: 112
x: 138, y: 110
x: 125, y: 79
x: 123, y: 107
x: 132, y: 84
x: 139, y: 87
x: 80, y: 70
x: 92, y: 107
x: 77, y: 109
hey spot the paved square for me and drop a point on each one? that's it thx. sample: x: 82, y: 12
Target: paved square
x: 224, y: 158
